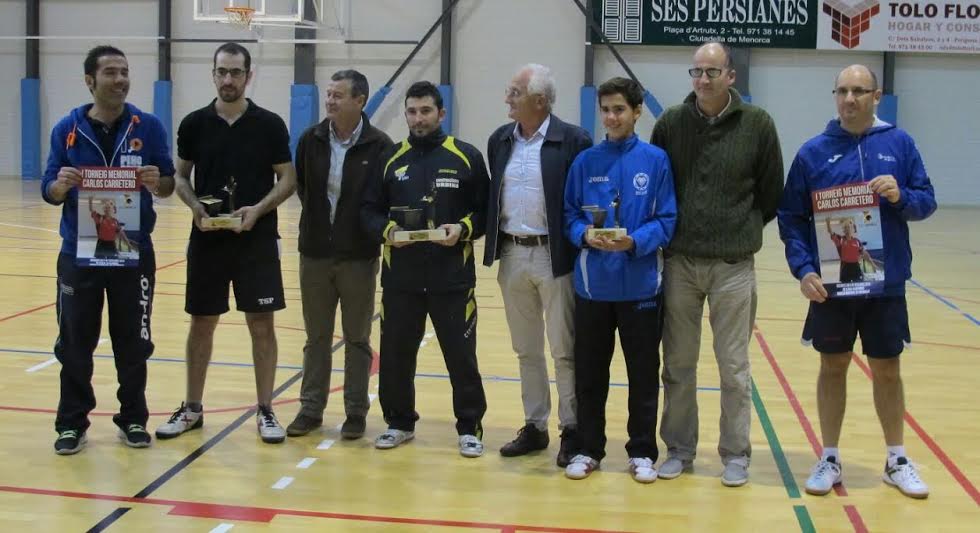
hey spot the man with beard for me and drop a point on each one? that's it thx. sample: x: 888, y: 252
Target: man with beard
x: 233, y: 145
x: 429, y: 278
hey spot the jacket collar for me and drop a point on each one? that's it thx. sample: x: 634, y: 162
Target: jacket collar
x: 431, y: 140
x: 368, y: 133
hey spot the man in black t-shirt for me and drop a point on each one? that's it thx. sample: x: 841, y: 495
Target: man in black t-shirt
x: 233, y: 144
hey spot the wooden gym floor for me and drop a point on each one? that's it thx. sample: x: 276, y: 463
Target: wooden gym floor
x: 223, y: 478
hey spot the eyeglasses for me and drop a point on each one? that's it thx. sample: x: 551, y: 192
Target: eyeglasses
x: 711, y: 72
x: 235, y: 72
x: 513, y: 92
x: 858, y: 92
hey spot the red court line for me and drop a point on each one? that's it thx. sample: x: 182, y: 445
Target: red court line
x: 957, y: 474
x: 266, y: 514
x: 853, y: 515
x: 45, y: 306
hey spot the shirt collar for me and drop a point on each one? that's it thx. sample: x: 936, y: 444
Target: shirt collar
x: 354, y: 136
x: 716, y: 117
x: 542, y: 130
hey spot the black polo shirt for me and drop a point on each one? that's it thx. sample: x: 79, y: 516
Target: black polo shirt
x: 245, y: 150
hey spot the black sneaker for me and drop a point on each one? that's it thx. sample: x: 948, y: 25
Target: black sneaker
x: 303, y: 424
x: 353, y: 427
x: 70, y: 442
x: 135, y: 436
x: 569, y: 447
x: 529, y: 439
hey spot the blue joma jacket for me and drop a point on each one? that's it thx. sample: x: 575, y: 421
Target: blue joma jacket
x: 141, y: 140
x: 837, y: 157
x: 639, y: 173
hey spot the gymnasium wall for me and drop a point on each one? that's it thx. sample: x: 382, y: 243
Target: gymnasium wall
x: 491, y: 39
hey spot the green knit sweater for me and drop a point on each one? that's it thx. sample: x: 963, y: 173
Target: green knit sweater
x: 728, y: 177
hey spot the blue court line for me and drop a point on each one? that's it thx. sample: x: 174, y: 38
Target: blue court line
x: 948, y: 303
x: 505, y: 379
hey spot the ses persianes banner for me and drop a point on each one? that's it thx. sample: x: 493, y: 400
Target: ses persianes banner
x: 950, y: 26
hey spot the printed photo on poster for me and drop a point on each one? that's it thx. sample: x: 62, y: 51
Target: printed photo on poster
x: 847, y: 222
x: 108, y: 218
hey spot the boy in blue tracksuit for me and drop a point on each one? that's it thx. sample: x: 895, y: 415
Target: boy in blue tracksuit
x: 617, y: 281
x: 858, y: 147
x: 107, y: 132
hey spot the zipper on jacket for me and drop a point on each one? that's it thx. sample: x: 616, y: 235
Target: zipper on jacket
x: 118, y: 146
x: 861, y: 159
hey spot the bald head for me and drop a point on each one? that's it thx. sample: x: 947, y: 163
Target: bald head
x: 714, y: 50
x: 858, y: 73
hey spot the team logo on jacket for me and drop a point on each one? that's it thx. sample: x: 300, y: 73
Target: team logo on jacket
x: 598, y: 179
x: 447, y: 183
x: 887, y: 158
x: 640, y: 182
x: 135, y: 144
x: 401, y: 173
x: 126, y: 156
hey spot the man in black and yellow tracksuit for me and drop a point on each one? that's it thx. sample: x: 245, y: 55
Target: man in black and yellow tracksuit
x: 429, y: 278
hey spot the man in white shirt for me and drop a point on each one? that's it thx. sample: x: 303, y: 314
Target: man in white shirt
x: 529, y: 160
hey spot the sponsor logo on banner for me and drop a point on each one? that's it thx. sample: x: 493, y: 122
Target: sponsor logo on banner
x: 849, y: 19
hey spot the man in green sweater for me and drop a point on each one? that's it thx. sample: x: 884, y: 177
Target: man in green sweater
x: 728, y: 174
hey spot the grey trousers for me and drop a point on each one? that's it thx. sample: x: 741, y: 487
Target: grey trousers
x: 323, y: 283
x: 536, y: 303
x: 729, y: 288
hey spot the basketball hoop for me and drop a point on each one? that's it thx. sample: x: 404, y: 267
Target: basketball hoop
x: 240, y: 16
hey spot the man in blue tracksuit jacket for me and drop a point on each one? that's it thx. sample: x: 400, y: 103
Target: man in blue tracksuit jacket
x: 107, y: 132
x: 858, y: 147
x: 617, y: 281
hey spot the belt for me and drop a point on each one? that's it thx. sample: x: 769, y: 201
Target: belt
x: 530, y: 240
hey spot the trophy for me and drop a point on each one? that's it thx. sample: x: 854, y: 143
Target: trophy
x: 599, y: 214
x: 217, y: 219
x: 414, y: 227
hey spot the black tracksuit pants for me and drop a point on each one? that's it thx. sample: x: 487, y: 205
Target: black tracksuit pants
x: 81, y: 292
x: 453, y: 316
x: 640, y: 324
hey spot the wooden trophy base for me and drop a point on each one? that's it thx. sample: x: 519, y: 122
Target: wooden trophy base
x: 419, y: 235
x: 222, y: 221
x: 609, y: 233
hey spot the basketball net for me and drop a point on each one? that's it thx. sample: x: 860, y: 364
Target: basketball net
x: 240, y: 16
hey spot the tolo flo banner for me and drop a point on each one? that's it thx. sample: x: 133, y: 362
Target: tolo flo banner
x: 872, y: 25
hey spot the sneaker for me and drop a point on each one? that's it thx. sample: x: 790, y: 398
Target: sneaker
x: 135, y: 436
x: 70, y: 442
x: 673, y: 468
x: 823, y: 477
x: 529, y: 439
x: 303, y: 424
x: 270, y: 429
x: 569, y: 447
x: 182, y: 420
x: 580, y: 467
x: 470, y: 446
x: 642, y: 469
x: 735, y: 475
x: 903, y: 476
x: 392, y: 438
x: 353, y: 427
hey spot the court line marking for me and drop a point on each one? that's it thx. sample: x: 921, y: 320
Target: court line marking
x: 283, y: 482
x: 28, y: 227
x: 222, y: 528
x: 948, y: 303
x: 327, y: 443
x: 930, y: 443
x: 45, y: 364
x: 306, y: 462
x: 267, y: 514
x: 853, y: 515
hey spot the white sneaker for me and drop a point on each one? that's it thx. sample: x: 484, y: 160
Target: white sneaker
x: 270, y: 429
x: 580, y: 467
x: 905, y: 478
x: 642, y: 469
x: 824, y: 475
x: 181, y: 421
x: 392, y: 438
x: 470, y: 446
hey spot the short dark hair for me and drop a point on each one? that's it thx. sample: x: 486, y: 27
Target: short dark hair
x: 630, y: 89
x: 234, y: 49
x: 92, y: 59
x: 421, y: 89
x: 358, y: 82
